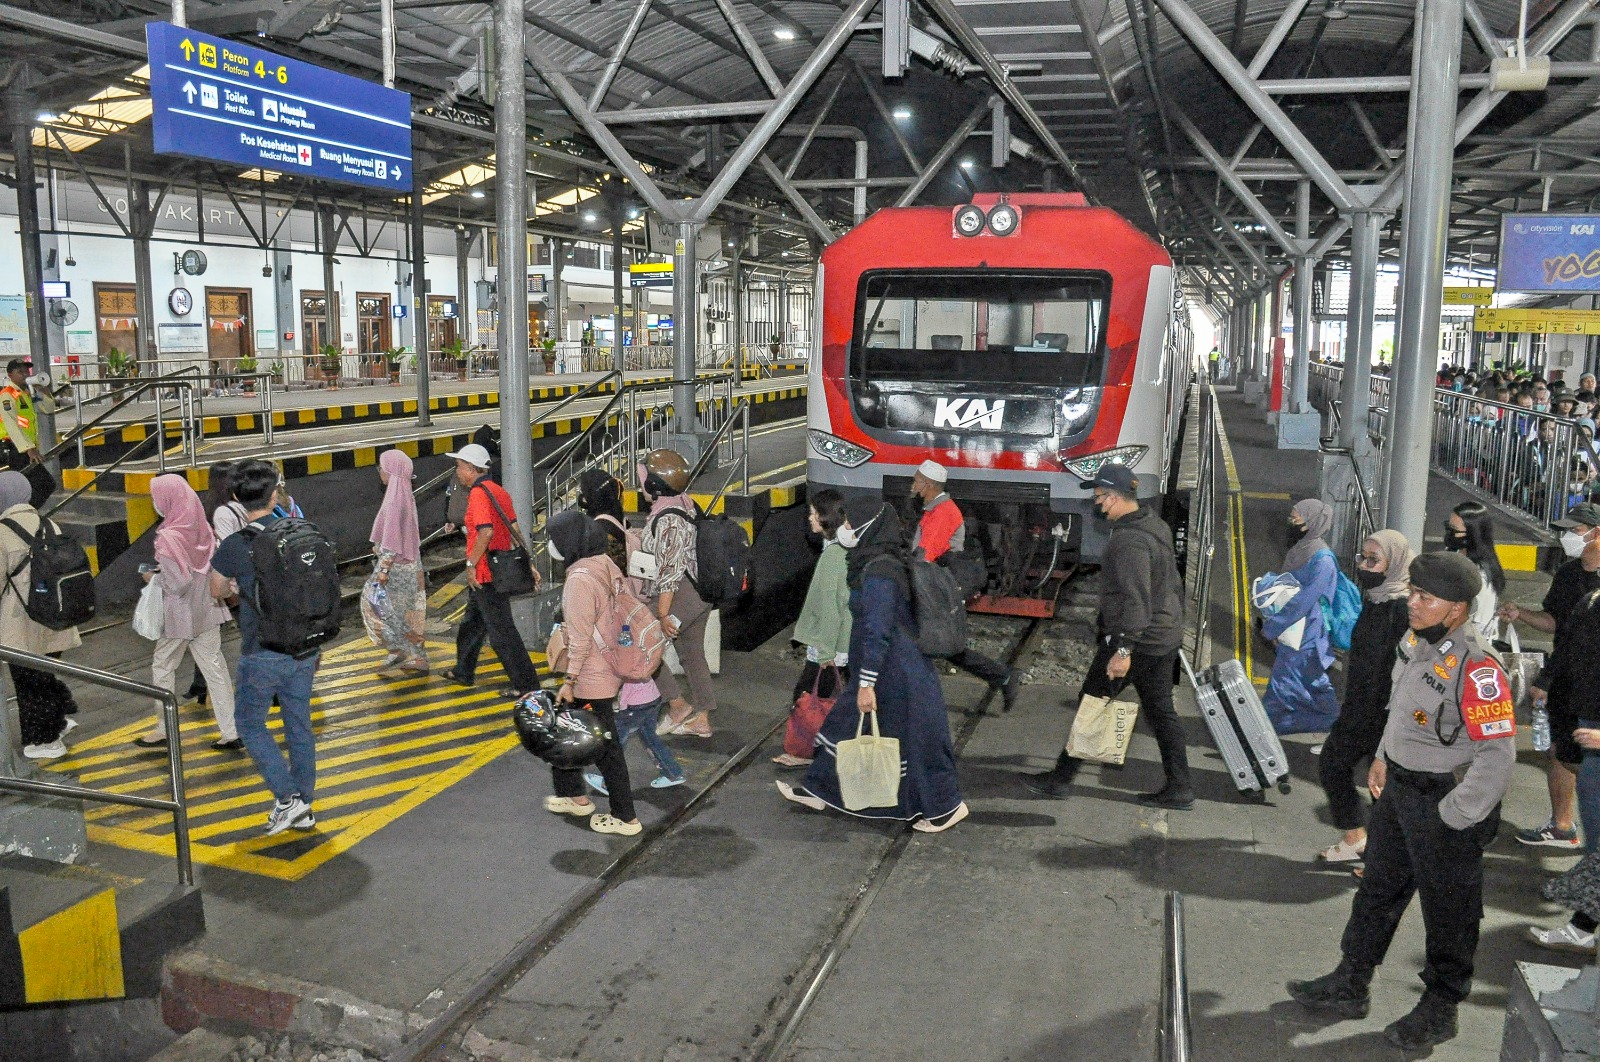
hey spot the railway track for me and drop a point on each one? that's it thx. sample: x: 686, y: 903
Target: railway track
x: 786, y: 1014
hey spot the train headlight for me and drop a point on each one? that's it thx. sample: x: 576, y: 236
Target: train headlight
x: 969, y: 220
x: 839, y: 451
x: 1004, y: 219
x: 1086, y: 466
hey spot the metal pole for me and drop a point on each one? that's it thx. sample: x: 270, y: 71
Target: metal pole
x: 558, y: 303
x: 180, y: 12
x: 464, y: 238
x: 1357, y: 381
x: 21, y: 105
x: 144, y: 302
x: 386, y: 22
x: 1304, y: 267
x: 738, y: 313
x: 511, y: 199
x: 1427, y: 220
x: 330, y: 304
x: 618, y: 352
x: 419, y: 302
x: 685, y: 331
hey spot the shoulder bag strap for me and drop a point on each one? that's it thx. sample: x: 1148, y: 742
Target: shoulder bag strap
x: 511, y: 525
x: 28, y: 541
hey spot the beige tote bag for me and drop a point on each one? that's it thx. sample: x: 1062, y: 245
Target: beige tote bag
x: 869, y: 768
x: 1102, y: 729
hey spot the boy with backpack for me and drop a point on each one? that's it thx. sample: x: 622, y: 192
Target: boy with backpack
x: 285, y: 575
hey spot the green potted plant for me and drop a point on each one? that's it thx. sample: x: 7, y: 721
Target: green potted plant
x: 119, y: 364
x: 330, y: 364
x: 775, y: 344
x: 456, y: 350
x: 246, y: 367
x: 276, y: 369
x: 395, y: 357
x: 547, y: 351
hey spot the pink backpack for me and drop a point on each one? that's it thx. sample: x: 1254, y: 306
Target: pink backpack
x: 639, y: 659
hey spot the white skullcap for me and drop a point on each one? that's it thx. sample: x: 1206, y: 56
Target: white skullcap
x: 934, y: 471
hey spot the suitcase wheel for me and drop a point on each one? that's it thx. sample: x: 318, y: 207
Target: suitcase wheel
x: 1283, y: 785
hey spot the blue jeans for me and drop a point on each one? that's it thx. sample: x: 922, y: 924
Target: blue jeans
x: 641, y: 719
x: 261, y: 676
x: 1589, y: 794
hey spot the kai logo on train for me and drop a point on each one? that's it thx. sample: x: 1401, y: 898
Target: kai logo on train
x: 969, y: 413
x: 1486, y: 708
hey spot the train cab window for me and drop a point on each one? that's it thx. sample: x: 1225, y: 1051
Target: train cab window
x: 981, y: 328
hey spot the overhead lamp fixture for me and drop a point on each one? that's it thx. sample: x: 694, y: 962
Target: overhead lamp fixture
x: 1334, y: 11
x: 633, y: 213
x: 902, y: 114
x: 477, y: 193
x: 43, y: 117
x: 589, y: 217
x: 784, y: 33
x: 967, y: 164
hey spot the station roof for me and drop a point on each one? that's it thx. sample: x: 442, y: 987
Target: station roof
x: 1111, y: 96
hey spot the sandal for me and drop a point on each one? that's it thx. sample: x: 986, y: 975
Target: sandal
x: 944, y: 822
x: 786, y: 760
x: 801, y: 797
x: 668, y: 725
x: 1343, y: 853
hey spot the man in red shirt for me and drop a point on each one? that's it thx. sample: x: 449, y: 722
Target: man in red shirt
x: 943, y: 530
x: 490, y: 518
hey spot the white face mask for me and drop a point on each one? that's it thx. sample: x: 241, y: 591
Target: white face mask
x: 1573, y: 544
x: 850, y: 537
x: 555, y: 554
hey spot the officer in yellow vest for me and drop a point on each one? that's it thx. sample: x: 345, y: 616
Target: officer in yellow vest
x: 19, y: 427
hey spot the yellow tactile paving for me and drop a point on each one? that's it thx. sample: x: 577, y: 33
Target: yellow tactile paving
x: 384, y: 747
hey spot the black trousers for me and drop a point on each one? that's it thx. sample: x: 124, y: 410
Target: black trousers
x: 489, y: 615
x: 43, y: 704
x: 1411, y: 850
x: 1150, y: 675
x: 1354, y: 737
x: 612, y: 765
x: 991, y: 671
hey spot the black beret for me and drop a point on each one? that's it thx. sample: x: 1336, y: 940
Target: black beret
x: 1447, y: 576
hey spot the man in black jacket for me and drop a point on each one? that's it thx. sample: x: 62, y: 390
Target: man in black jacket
x: 1140, y: 630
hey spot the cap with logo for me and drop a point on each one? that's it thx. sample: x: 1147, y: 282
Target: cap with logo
x: 1585, y: 515
x: 935, y: 471
x: 472, y: 454
x: 1119, y: 478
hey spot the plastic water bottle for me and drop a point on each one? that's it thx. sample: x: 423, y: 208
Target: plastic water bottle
x: 625, y: 639
x: 1541, y: 729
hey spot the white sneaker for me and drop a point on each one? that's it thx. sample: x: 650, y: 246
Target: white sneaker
x: 603, y: 823
x: 69, y: 726
x: 559, y: 805
x: 50, y: 750
x: 286, y: 813
x: 1564, y: 938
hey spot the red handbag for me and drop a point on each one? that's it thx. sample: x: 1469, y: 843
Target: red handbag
x: 808, y: 714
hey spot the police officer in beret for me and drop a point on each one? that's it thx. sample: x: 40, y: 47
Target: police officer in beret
x: 1438, y: 778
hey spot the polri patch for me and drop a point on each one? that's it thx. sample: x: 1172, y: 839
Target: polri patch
x: 1438, y: 669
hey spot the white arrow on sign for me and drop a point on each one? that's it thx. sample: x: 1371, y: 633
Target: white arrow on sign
x: 189, y: 91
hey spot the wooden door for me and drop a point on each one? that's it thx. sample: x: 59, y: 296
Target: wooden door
x: 372, y: 323
x: 441, y: 329
x: 314, y: 323
x: 228, y: 323
x: 116, y: 318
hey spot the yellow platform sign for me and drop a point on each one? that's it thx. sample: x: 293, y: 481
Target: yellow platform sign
x: 1548, y: 322
x: 1458, y: 296
x: 384, y: 747
x: 651, y: 268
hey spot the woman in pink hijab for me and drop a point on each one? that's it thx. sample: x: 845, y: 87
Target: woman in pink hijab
x: 394, y: 603
x: 191, y: 620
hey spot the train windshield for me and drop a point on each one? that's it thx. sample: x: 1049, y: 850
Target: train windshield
x: 1042, y: 329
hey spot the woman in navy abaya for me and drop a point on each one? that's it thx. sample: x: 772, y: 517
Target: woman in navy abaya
x: 890, y: 676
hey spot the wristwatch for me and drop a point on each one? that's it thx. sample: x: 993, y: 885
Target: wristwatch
x: 1124, y: 652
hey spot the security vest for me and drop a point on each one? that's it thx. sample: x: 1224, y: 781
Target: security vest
x: 22, y: 408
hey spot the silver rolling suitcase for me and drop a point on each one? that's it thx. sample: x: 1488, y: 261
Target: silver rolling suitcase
x: 1239, y: 726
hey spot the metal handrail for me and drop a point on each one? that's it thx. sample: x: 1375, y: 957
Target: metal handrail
x: 180, y: 378
x: 740, y: 415
x: 60, y: 503
x: 1176, y: 1032
x: 178, y: 803
x: 416, y: 492
x: 1204, y: 545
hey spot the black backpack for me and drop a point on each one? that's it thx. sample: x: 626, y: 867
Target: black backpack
x: 60, y: 583
x: 297, y: 586
x: 722, y: 557
x: 940, y: 607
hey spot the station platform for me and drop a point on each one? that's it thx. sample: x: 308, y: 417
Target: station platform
x: 1032, y: 931
x: 239, y: 415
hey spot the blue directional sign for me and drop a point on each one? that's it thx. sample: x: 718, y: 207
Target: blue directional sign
x: 1549, y: 253
x: 221, y: 100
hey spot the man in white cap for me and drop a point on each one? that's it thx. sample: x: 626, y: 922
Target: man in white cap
x: 489, y: 525
x: 941, y: 530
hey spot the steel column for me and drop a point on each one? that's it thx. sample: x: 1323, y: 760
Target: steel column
x: 330, y: 305
x: 511, y: 225
x: 618, y: 351
x: 613, y: 64
x: 685, y: 332
x: 21, y: 106
x: 558, y: 301
x: 419, y: 303
x: 1427, y: 224
x: 1304, y: 269
x: 1356, y: 383
x: 464, y: 241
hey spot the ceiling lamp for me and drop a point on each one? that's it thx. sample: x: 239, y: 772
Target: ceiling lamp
x: 1334, y: 11
x: 784, y: 33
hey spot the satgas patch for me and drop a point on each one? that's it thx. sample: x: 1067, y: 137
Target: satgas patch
x: 1451, y: 661
x: 1486, y: 707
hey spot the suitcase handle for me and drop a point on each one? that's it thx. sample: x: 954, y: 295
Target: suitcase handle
x: 1187, y: 670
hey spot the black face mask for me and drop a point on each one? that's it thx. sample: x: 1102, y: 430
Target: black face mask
x: 1293, y: 533
x: 1432, y: 635
x: 1455, y: 541
x: 1369, y: 580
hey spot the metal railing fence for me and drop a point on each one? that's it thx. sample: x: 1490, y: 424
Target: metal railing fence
x: 177, y: 803
x: 1202, y: 518
x: 1177, y: 1030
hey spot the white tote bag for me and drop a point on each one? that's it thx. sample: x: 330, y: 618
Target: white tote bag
x: 869, y: 768
x: 150, y: 614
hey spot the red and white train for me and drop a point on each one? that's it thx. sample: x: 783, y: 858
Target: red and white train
x: 1021, y: 341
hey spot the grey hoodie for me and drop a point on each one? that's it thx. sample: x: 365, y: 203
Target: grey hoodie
x: 1141, y: 597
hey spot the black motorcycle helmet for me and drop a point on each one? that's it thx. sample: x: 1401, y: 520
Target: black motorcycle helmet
x: 562, y: 735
